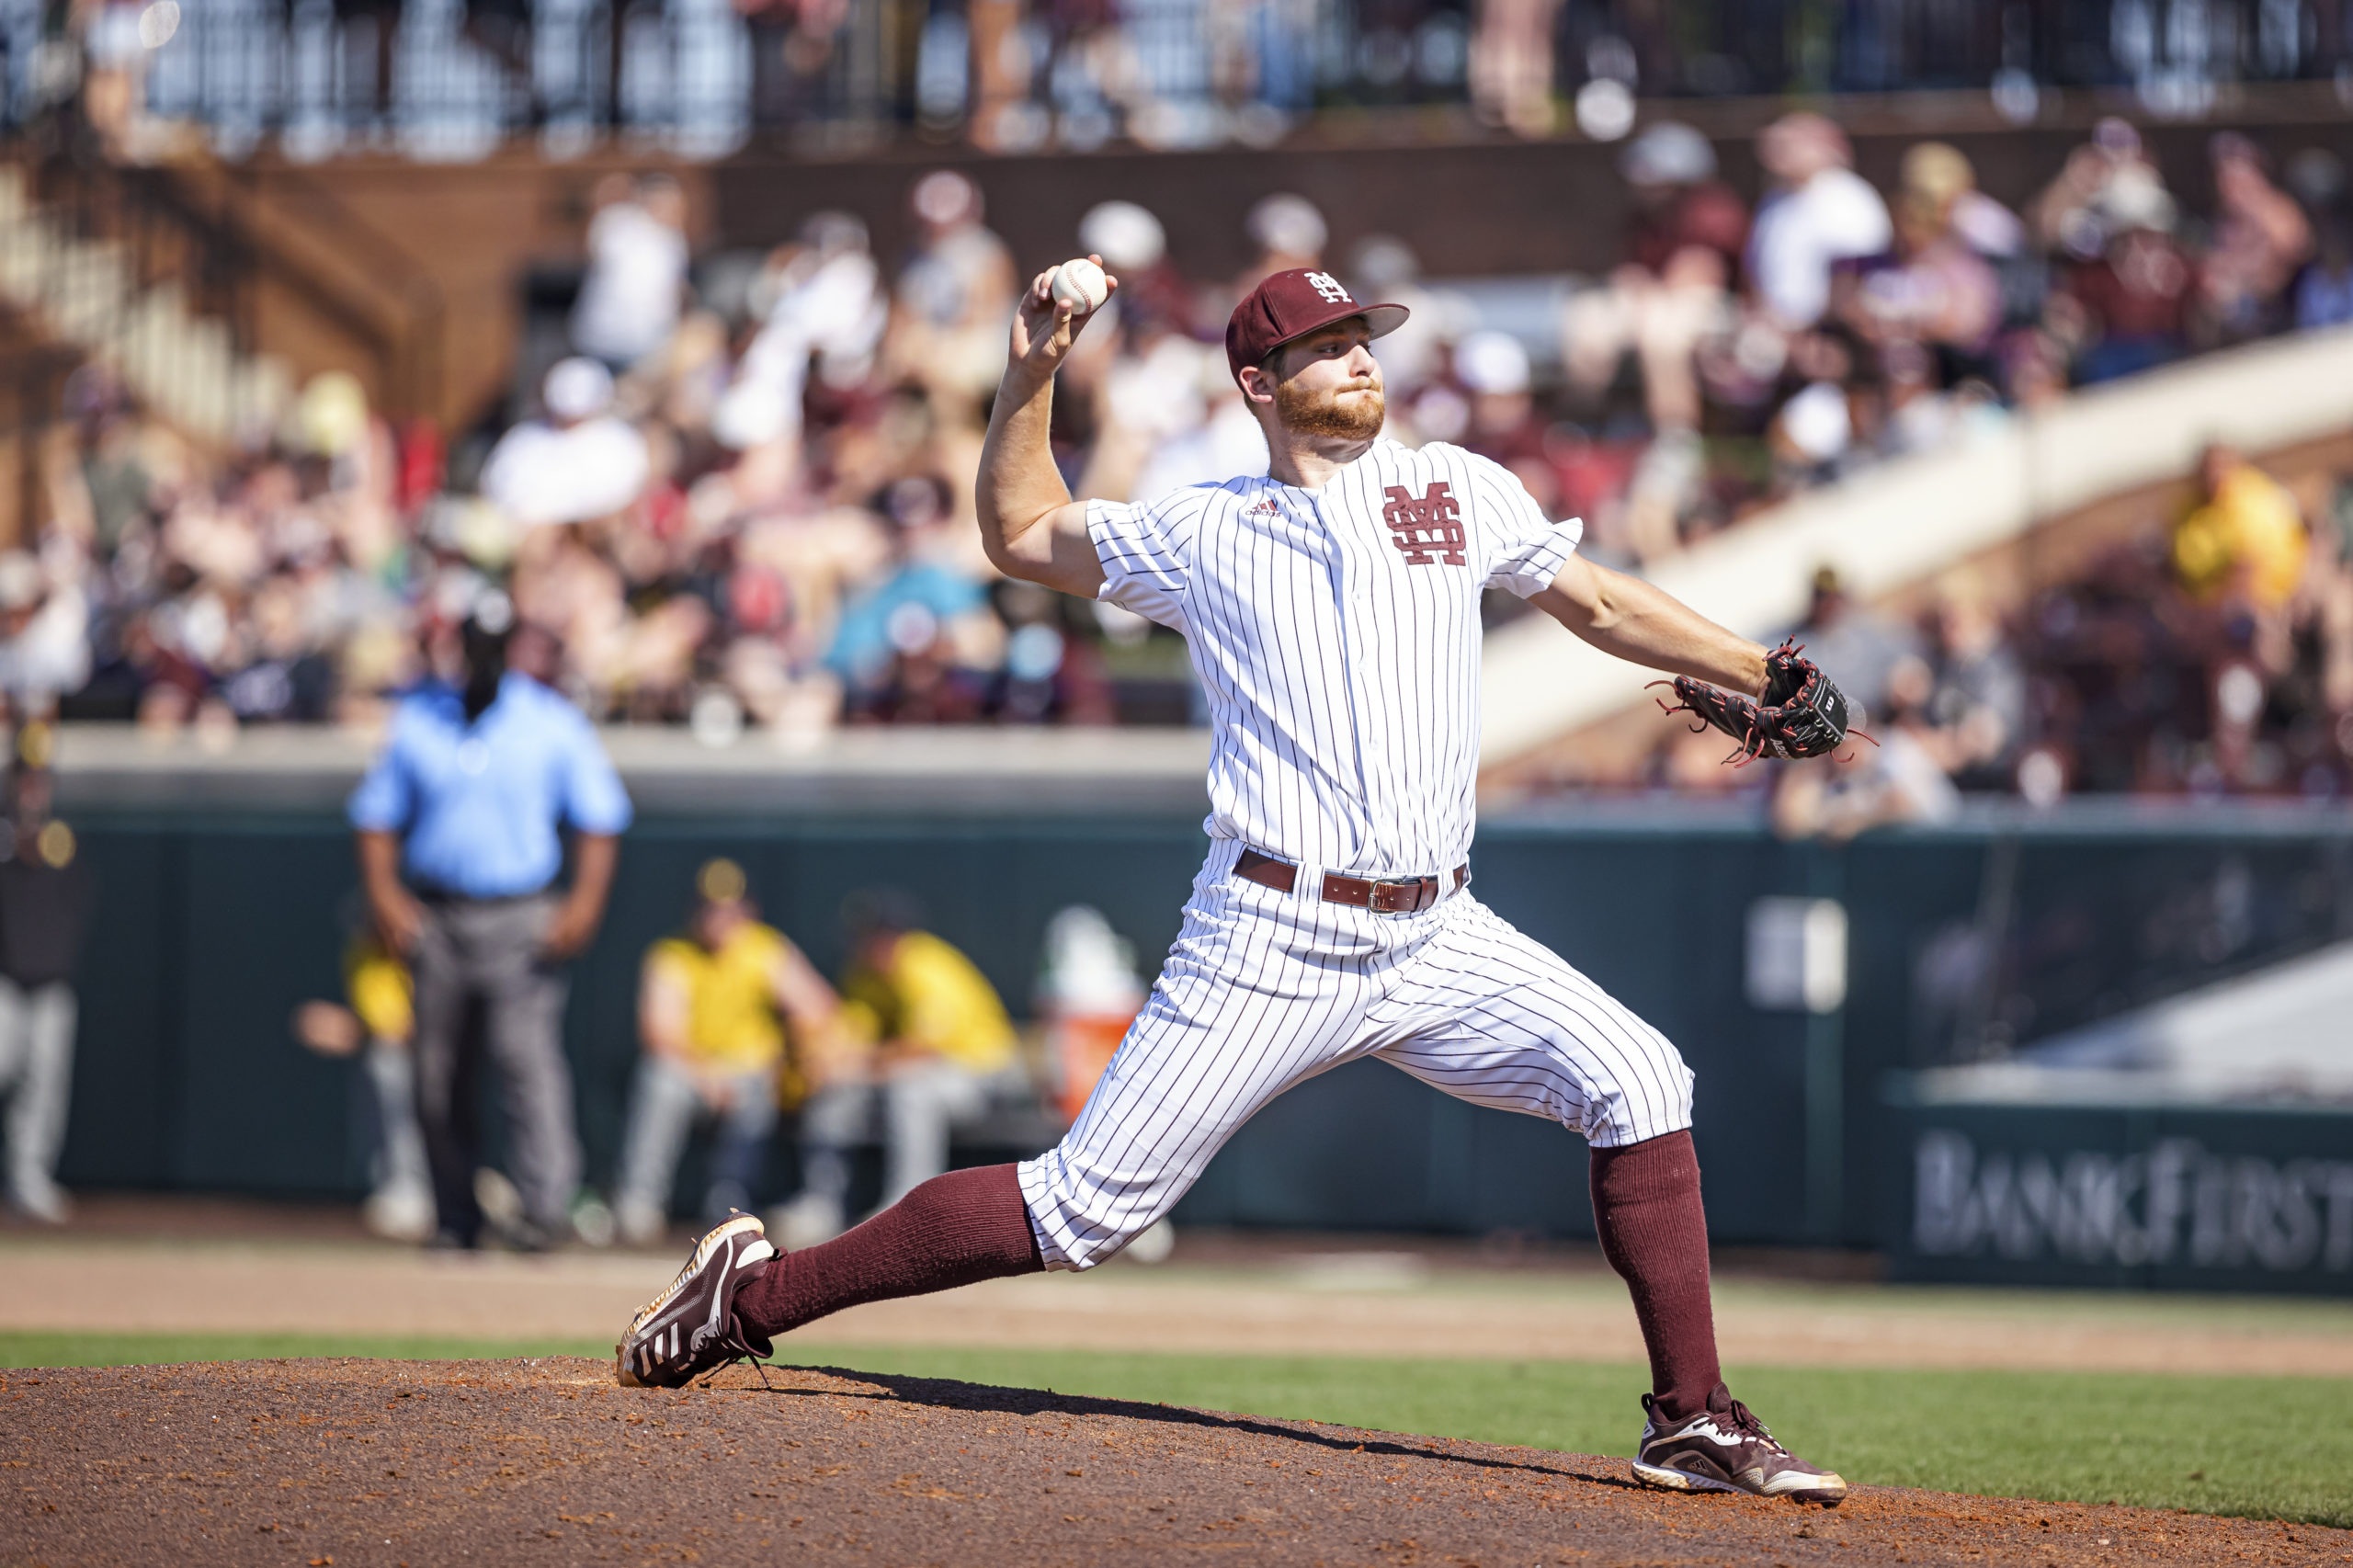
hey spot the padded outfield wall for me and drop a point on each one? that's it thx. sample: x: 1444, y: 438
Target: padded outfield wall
x: 214, y: 923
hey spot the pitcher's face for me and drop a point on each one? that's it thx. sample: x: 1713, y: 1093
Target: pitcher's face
x: 1330, y: 384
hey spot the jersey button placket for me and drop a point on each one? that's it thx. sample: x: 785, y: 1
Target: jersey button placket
x: 1356, y: 610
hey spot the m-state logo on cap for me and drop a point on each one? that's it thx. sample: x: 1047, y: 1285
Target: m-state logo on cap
x: 1289, y: 305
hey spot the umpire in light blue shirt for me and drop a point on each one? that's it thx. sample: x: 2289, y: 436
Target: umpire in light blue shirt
x: 459, y: 847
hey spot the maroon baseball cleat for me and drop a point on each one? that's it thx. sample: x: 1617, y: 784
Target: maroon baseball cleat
x: 691, y: 1327
x: 1720, y: 1450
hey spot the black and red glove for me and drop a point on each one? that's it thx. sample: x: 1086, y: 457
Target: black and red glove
x: 1802, y: 714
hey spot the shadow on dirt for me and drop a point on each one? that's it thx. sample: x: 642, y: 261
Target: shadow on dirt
x: 947, y: 1393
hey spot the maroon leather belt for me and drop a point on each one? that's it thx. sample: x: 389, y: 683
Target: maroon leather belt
x: 1405, y: 896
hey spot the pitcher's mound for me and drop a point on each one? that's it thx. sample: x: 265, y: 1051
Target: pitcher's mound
x: 413, y: 1462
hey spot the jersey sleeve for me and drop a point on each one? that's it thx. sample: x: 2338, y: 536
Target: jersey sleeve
x: 1525, y: 549
x: 595, y: 801
x: 386, y: 795
x: 1146, y: 554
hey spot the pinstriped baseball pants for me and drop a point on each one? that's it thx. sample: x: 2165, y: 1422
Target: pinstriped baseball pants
x: 1264, y: 989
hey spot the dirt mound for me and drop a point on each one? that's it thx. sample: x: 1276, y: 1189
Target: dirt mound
x: 391, y: 1463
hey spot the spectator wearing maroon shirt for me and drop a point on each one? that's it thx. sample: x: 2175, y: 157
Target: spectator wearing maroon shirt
x: 2134, y: 297
x: 1684, y: 238
x: 1492, y: 368
x: 1677, y: 200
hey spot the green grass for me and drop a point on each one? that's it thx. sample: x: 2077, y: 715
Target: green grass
x: 2268, y: 1447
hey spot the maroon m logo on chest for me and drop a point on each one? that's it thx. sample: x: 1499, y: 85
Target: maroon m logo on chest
x: 1428, y: 529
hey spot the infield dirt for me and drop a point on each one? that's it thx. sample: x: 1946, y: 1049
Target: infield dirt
x: 347, y: 1463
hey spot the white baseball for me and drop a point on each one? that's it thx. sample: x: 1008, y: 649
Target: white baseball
x: 1081, y: 285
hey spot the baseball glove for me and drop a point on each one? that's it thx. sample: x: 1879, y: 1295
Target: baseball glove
x: 1802, y: 713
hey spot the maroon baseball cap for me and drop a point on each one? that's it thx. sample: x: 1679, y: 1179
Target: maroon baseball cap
x: 1290, y: 306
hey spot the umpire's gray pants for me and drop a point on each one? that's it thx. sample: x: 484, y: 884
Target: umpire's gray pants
x: 484, y: 990
x: 36, y: 1076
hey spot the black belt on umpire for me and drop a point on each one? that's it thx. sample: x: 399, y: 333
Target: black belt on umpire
x: 442, y: 897
x: 1405, y: 895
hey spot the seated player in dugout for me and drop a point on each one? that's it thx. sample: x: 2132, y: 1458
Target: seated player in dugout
x: 376, y: 1022
x: 1331, y: 607
x: 926, y: 1048
x: 714, y: 1004
x: 47, y: 895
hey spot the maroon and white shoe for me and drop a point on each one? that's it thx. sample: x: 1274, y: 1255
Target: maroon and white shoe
x: 1720, y: 1450
x: 691, y: 1327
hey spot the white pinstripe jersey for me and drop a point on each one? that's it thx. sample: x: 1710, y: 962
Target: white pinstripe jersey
x: 1336, y: 634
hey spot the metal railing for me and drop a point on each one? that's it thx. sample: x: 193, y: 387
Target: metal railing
x: 455, y: 79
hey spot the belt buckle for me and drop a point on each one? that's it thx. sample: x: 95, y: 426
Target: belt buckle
x: 1416, y: 891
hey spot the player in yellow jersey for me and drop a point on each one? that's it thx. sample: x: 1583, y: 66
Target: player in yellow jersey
x: 375, y: 1024
x: 712, y: 1009
x: 2243, y: 541
x: 938, y: 1050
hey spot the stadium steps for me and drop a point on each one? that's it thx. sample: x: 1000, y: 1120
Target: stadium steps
x: 86, y: 293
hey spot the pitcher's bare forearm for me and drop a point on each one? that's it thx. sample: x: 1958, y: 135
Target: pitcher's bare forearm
x: 398, y: 919
x: 594, y: 858
x: 1629, y: 618
x: 1029, y: 526
x: 574, y: 924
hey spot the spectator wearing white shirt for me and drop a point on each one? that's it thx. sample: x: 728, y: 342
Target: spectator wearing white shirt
x: 636, y: 285
x: 826, y: 298
x: 579, y: 463
x: 1821, y: 213
x: 44, y: 636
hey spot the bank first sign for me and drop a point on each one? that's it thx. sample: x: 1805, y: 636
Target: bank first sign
x: 2188, y: 1199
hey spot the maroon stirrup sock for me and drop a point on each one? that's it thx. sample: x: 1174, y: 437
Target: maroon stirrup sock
x: 1654, y: 1232
x: 953, y: 1230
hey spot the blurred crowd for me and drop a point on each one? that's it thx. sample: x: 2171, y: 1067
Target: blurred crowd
x: 1838, y: 324
x: 2209, y: 651
x: 744, y: 500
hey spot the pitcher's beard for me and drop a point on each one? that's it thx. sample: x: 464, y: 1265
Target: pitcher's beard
x: 1358, y: 417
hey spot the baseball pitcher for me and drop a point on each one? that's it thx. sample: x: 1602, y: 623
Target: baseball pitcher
x: 1332, y: 609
